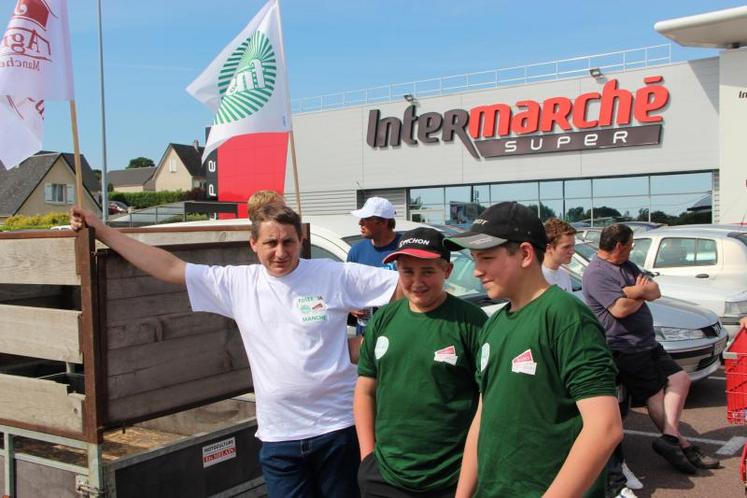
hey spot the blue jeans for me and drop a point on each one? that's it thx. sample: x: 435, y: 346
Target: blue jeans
x: 324, y: 466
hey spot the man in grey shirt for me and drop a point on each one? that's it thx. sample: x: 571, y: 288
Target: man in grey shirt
x: 616, y: 291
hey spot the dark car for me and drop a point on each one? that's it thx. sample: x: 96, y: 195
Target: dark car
x: 118, y: 207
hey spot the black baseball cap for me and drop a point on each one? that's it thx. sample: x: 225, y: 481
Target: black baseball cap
x: 426, y: 243
x: 501, y: 223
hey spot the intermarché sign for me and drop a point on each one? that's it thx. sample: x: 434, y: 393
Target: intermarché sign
x: 496, y: 130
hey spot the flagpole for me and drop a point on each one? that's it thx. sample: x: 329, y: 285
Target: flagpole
x: 290, y: 118
x: 295, y: 172
x: 76, y: 156
x: 104, y: 170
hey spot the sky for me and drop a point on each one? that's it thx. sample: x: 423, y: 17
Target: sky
x: 153, y: 49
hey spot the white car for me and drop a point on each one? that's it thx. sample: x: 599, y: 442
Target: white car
x: 703, y: 264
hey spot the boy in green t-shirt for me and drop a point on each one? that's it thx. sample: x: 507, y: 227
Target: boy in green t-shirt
x: 548, y: 418
x: 416, y: 393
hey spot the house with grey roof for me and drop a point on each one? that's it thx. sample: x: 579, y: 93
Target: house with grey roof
x: 132, y: 180
x: 43, y: 183
x: 180, y: 168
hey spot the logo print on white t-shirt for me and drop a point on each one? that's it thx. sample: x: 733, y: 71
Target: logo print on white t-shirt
x: 484, y: 355
x: 312, y: 308
x: 382, y: 344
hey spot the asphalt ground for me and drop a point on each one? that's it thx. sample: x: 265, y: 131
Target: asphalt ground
x: 703, y: 422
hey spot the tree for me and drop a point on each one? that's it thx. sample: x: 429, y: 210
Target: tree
x: 606, y: 212
x: 141, y: 162
x: 575, y: 213
x: 546, y: 212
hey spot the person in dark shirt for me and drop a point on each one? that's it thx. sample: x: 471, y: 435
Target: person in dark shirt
x: 617, y: 291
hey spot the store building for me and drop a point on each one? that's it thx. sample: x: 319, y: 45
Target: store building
x: 629, y: 134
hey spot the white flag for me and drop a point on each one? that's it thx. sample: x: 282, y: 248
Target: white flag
x: 247, y: 84
x: 21, y: 129
x: 35, y: 65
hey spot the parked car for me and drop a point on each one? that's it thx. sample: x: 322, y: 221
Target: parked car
x: 592, y: 234
x: 705, y: 264
x: 692, y: 335
x: 118, y: 207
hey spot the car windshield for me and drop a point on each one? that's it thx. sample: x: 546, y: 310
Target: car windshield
x: 742, y: 237
x: 586, y: 251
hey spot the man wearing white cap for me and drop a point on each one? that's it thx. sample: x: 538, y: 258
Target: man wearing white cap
x: 376, y: 219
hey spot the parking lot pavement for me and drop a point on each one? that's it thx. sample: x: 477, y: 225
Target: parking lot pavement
x: 704, y: 422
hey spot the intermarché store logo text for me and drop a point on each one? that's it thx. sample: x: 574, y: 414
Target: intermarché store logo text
x: 481, y: 128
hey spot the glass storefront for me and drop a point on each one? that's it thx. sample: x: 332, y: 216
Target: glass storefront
x: 670, y: 199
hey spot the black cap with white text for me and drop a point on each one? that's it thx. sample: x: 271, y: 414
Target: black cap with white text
x: 425, y: 243
x: 501, y: 223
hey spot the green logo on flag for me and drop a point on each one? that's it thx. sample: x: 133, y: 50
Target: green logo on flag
x: 247, y: 79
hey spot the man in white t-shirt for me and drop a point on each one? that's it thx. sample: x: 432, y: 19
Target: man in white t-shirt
x: 561, y: 242
x: 291, y: 313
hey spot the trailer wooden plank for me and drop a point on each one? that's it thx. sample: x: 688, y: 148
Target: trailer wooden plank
x: 48, y: 261
x: 158, y: 328
x: 43, y: 403
x: 140, y: 307
x: 197, y: 357
x: 46, y: 333
x: 176, y: 397
x: 235, y: 254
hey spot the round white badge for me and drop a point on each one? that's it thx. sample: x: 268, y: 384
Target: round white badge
x: 382, y: 344
x: 484, y: 355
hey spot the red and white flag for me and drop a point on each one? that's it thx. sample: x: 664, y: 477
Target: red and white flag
x: 35, y: 65
x: 247, y: 84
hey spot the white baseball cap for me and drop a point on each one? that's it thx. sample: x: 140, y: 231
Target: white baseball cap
x: 375, y: 206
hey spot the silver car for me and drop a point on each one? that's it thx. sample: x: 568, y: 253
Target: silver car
x: 690, y: 333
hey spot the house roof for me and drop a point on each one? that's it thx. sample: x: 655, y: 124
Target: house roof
x: 17, y: 184
x: 132, y: 176
x: 191, y: 157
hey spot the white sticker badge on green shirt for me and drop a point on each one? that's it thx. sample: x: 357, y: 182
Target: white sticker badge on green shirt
x: 484, y: 355
x: 382, y: 344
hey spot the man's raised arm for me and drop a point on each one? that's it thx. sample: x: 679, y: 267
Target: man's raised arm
x: 158, y: 263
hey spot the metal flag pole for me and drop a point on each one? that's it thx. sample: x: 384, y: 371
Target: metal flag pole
x: 104, y: 170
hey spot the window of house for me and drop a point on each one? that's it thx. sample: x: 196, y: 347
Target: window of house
x: 59, y: 193
x: 172, y: 165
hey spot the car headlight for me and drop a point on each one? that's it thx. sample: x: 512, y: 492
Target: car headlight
x: 735, y: 308
x: 675, y: 334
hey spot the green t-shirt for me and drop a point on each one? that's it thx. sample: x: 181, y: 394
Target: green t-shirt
x: 426, y: 392
x: 535, y: 365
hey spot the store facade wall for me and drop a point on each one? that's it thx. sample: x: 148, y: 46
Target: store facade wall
x: 334, y: 156
x: 733, y: 136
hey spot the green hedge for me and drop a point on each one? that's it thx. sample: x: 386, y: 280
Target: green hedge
x: 141, y: 200
x: 23, y: 222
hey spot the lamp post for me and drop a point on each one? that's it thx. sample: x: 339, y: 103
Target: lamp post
x: 104, y: 175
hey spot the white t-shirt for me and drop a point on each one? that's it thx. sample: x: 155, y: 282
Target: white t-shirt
x: 558, y: 277
x: 295, y: 335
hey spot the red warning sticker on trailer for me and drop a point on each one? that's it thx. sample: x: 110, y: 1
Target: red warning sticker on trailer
x: 218, y: 452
